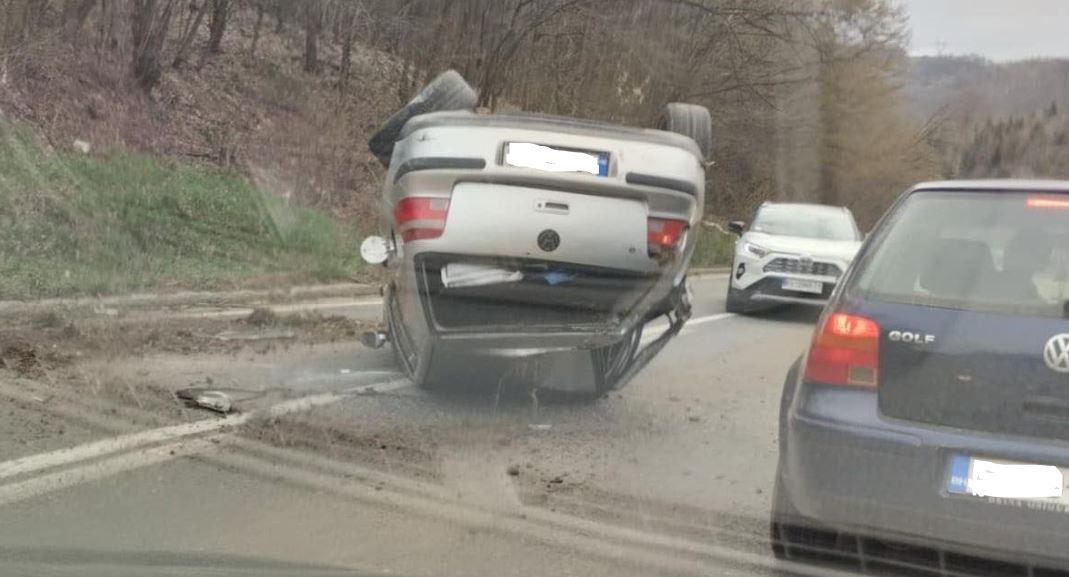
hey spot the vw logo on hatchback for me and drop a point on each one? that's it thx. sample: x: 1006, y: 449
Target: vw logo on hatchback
x: 1056, y: 353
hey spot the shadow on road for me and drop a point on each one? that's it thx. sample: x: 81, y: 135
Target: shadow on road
x: 798, y: 314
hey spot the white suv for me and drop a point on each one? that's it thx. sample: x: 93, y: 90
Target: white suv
x: 792, y: 253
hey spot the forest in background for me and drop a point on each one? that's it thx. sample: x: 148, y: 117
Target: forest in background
x: 805, y: 94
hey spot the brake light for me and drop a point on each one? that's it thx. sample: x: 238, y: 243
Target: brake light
x: 1054, y: 202
x: 845, y: 351
x: 664, y: 235
x: 420, y: 218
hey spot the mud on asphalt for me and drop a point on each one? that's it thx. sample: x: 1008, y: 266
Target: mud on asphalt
x: 57, y: 354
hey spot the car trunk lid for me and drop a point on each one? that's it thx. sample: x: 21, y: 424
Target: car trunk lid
x: 971, y: 370
x: 969, y: 289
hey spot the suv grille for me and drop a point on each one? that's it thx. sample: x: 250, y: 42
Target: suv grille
x: 795, y: 266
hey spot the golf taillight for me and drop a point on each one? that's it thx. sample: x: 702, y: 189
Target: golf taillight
x: 664, y: 235
x: 420, y: 218
x: 845, y: 351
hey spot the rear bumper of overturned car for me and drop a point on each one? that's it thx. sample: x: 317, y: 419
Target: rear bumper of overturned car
x: 883, y: 483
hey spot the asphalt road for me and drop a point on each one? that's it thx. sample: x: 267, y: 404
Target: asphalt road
x: 338, y: 462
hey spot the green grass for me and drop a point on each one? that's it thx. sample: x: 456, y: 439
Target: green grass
x: 715, y: 248
x: 72, y: 224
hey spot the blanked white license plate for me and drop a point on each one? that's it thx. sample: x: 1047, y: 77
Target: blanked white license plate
x: 982, y: 477
x: 805, y: 286
x: 550, y: 159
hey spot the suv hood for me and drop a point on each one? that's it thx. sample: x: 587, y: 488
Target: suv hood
x: 843, y: 250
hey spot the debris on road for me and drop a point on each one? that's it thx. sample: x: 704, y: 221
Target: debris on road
x: 513, y: 471
x: 540, y: 427
x: 257, y: 335
x: 262, y: 317
x: 217, y: 401
x: 21, y: 358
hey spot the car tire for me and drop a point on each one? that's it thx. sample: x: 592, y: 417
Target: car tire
x: 690, y: 120
x: 783, y: 514
x: 738, y: 300
x: 449, y: 91
x: 399, y: 354
x: 610, y: 362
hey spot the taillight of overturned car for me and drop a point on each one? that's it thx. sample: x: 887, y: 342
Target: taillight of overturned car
x: 664, y: 236
x: 421, y: 218
x: 845, y: 352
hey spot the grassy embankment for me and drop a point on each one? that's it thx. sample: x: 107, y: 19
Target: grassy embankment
x: 75, y: 224
x: 715, y: 248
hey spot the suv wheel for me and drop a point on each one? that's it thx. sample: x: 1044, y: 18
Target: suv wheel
x: 738, y: 300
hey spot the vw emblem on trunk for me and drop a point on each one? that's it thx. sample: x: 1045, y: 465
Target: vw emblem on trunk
x: 548, y: 240
x: 1056, y: 353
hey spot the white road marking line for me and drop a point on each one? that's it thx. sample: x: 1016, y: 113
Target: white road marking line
x: 97, y: 470
x: 41, y: 461
x: 708, y: 319
x: 122, y: 443
x: 655, y: 331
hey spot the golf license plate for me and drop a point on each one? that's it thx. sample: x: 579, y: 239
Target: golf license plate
x: 804, y: 286
x: 1023, y: 484
x: 552, y: 159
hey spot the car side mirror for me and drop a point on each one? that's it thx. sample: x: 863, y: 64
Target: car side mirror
x: 737, y: 226
x: 375, y: 250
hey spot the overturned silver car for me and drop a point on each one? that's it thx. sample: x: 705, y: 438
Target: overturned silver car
x: 534, y: 248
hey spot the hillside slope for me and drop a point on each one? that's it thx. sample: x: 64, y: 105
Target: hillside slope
x: 261, y: 115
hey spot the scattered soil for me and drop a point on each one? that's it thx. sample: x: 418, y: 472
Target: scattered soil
x: 396, y: 450
x: 30, y: 348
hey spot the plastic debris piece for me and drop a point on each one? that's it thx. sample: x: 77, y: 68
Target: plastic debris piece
x: 459, y: 275
x: 217, y: 401
x: 556, y: 277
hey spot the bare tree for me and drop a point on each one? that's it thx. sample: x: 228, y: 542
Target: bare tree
x: 194, y: 17
x: 150, y: 21
x: 313, y: 27
x: 257, y: 27
x: 217, y: 26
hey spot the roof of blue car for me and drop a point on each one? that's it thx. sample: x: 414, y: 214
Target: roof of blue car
x: 998, y: 184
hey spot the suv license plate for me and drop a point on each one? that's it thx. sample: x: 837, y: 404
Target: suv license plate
x: 805, y: 286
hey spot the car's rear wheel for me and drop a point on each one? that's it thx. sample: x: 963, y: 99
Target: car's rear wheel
x: 448, y: 91
x: 611, y: 362
x: 690, y: 120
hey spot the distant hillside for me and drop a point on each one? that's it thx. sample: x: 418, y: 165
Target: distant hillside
x: 973, y: 90
x: 1033, y: 146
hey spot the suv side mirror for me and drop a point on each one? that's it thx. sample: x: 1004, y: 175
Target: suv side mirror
x: 737, y: 226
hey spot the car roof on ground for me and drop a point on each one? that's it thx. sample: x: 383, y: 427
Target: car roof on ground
x: 995, y: 184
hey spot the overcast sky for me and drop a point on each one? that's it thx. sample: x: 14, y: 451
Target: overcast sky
x: 997, y: 29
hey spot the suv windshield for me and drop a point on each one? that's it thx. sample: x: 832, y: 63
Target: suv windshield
x: 982, y: 251
x: 806, y: 222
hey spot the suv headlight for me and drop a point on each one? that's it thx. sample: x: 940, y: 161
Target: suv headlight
x: 755, y: 250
